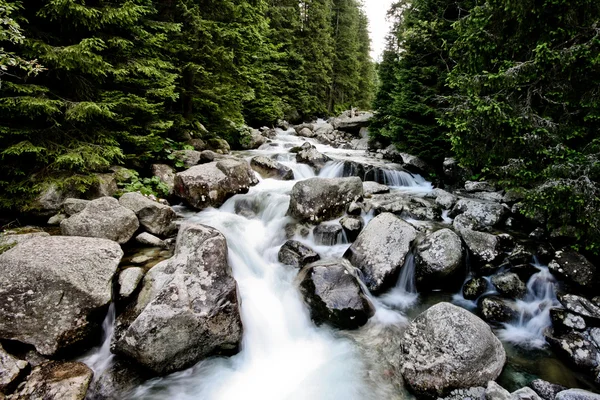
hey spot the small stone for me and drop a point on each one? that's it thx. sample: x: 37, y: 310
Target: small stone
x: 129, y: 280
x: 150, y: 240
x: 57, y: 219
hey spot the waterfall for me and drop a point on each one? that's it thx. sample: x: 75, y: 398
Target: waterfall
x: 404, y: 294
x: 100, y: 358
x: 333, y: 169
x: 534, y: 311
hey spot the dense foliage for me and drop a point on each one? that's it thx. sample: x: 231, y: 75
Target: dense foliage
x: 511, y: 88
x: 87, y: 84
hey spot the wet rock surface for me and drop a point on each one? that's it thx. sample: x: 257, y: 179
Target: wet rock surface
x: 380, y: 249
x: 269, y: 168
x: 334, y: 295
x: 56, y: 381
x: 574, y: 268
x: 297, y: 254
x: 187, y: 308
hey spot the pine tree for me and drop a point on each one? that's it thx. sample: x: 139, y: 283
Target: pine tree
x: 99, y: 101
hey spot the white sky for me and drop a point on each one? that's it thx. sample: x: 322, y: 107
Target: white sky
x: 378, y: 25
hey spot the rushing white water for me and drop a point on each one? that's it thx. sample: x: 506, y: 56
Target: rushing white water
x: 100, y: 358
x: 404, y: 294
x: 534, y: 311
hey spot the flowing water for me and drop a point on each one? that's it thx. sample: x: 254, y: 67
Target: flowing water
x: 283, y: 354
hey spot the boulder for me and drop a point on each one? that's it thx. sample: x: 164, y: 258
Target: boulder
x: 524, y: 394
x: 574, y: 268
x: 509, y: 285
x: 296, y: 254
x: 352, y: 124
x: 334, y: 295
x: 166, y: 174
x: 564, y: 321
x: 102, y: 218
x: 438, y: 256
x: 306, y: 132
x: 370, y: 188
x: 494, y: 197
x: 493, y: 391
x: 310, y: 156
x: 209, y: 185
x: 73, y: 206
x: 474, y: 393
x: 444, y: 199
x: 471, y: 186
x: 321, y: 199
x: 497, y: 310
x: 129, y: 280
x: 323, y: 129
x: 352, y: 226
x: 148, y: 239
x: 50, y: 200
x: 11, y: 240
x: 253, y: 140
x: 57, y: 219
x: 576, y: 347
x: 105, y: 185
x: 483, y: 246
x: 446, y: 348
x: 187, y: 308
x: 55, y: 289
x: 473, y: 288
x: 453, y: 171
x: 117, y: 381
x: 269, y: 168
x: 156, y: 218
x: 546, y: 390
x: 328, y: 234
x: 414, y: 164
x: 188, y: 158
x: 380, y: 250
x: 581, y: 306
x: 577, y: 394
x: 56, y: 381
x: 11, y: 370
x: 219, y: 145
x: 485, y: 213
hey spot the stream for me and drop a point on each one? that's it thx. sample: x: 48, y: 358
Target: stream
x: 283, y: 354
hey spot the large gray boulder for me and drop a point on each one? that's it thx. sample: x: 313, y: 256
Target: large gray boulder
x: 187, y: 308
x: 13, y: 239
x: 209, y: 185
x: 439, y: 256
x: 269, y: 168
x: 156, y: 218
x: 53, y: 288
x: 485, y: 213
x: 510, y: 285
x: 321, y: 199
x: 380, y: 249
x: 446, y: 348
x: 485, y: 247
x: 73, y: 206
x: 253, y: 140
x: 188, y: 158
x: 577, y: 394
x: 102, y: 218
x: 334, y: 295
x: 56, y: 381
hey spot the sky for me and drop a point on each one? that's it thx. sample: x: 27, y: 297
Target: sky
x: 378, y: 25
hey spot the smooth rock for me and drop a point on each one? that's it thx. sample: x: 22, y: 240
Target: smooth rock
x: 156, y: 218
x: 297, y: 254
x: 334, y: 295
x: 102, y: 218
x: 306, y: 132
x: 380, y: 250
x: 577, y: 394
x: 57, y: 219
x: 524, y: 394
x: 55, y: 290
x: 56, y: 381
x: 370, y: 188
x: 209, y: 185
x: 148, y: 239
x: 509, y: 285
x: 447, y: 348
x: 312, y: 157
x: 129, y: 280
x: 269, y: 168
x: 187, y: 308
x: 438, y: 256
x: 321, y: 199
x: 415, y: 164
x: 493, y: 391
x: 444, y: 199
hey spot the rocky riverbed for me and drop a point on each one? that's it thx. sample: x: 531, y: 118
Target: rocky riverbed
x: 305, y: 267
